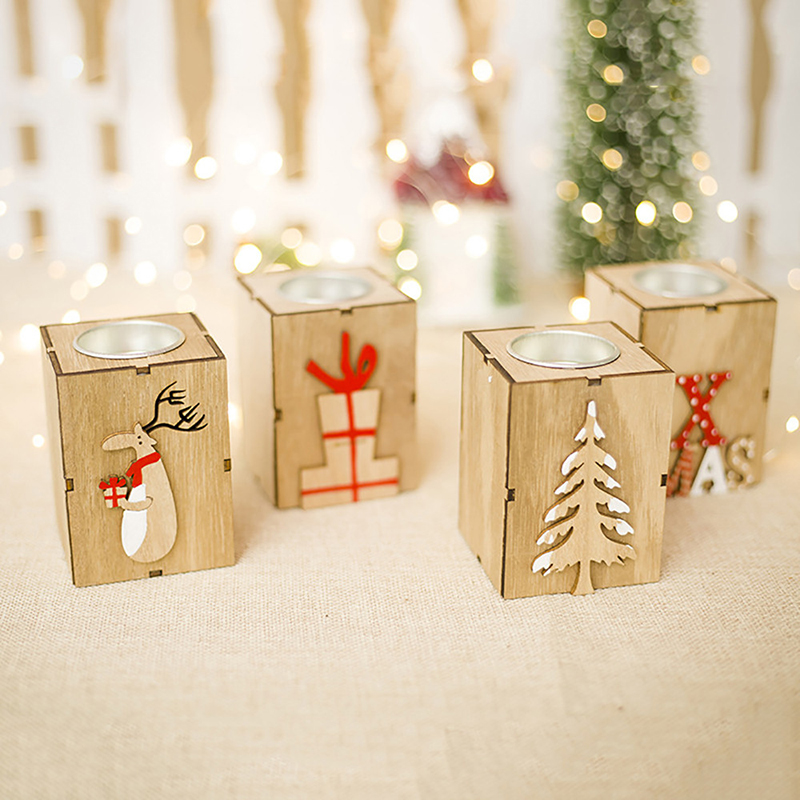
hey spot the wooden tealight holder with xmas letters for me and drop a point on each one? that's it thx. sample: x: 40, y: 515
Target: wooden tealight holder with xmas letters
x: 715, y: 330
x: 564, y: 451
x: 138, y: 423
x: 328, y: 370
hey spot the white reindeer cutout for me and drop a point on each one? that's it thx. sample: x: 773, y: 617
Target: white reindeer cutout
x: 149, y: 521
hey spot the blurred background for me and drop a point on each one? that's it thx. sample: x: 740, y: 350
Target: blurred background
x: 470, y: 149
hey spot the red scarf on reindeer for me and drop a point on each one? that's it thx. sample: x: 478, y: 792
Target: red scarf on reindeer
x: 135, y: 469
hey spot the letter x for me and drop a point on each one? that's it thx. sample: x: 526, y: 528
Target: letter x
x: 700, y: 403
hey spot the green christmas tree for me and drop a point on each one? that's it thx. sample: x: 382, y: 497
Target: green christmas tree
x: 629, y: 189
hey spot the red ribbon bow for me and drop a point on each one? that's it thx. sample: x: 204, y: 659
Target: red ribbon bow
x: 113, y: 483
x: 352, y: 380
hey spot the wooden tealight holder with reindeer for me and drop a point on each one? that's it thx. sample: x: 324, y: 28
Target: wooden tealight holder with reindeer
x: 715, y: 329
x: 329, y: 387
x: 564, y: 452
x: 138, y: 420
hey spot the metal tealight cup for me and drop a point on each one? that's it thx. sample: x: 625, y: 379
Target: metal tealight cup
x: 133, y: 338
x: 679, y: 280
x: 565, y: 349
x: 324, y: 288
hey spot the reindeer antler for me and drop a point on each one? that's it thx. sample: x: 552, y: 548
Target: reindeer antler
x: 186, y: 421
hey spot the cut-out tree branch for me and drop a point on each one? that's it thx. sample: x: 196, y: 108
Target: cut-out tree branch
x: 585, y: 511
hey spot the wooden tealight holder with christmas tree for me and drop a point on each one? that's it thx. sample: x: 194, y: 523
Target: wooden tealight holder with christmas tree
x: 138, y: 423
x: 564, y: 451
x: 328, y: 370
x: 715, y: 330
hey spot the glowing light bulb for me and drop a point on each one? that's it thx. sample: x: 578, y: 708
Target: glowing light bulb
x: 580, y: 308
x: 247, y: 258
x: 397, y: 151
x: 179, y: 152
x: 270, y: 163
x: 646, y: 213
x: 592, y: 212
x: 38, y: 440
x: 205, y: 168
x: 292, y: 238
x: 476, y: 246
x: 342, y: 251
x: 567, y: 190
x: 480, y: 173
x: 613, y: 75
x: 445, y: 213
x: 71, y: 317
x: 596, y: 112
x: 410, y: 287
x: 727, y: 211
x: 612, y: 159
x: 407, y: 259
x: 194, y: 234
x: 96, y: 274
x: 16, y: 251
x: 133, y: 225
x: 243, y: 220
x: 390, y: 233
x: 145, y: 273
x: 308, y: 254
x: 682, y: 212
x: 708, y: 186
x: 792, y: 424
x: 701, y: 65
x: 29, y: 337
x: 597, y: 28
x: 482, y: 70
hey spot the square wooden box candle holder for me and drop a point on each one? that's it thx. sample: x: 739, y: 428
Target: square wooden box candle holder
x: 328, y: 362
x: 564, y: 451
x: 715, y: 330
x: 138, y: 423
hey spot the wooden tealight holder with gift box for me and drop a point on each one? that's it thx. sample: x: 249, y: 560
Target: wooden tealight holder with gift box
x: 328, y: 363
x: 138, y: 423
x: 564, y: 451
x: 715, y: 330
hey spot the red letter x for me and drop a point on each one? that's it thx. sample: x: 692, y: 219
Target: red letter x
x: 700, y: 404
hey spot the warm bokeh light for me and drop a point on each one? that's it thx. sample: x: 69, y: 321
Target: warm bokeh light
x: 342, y: 251
x: 613, y: 74
x: 597, y: 28
x: 727, y: 211
x: 243, y: 220
x: 646, y: 213
x: 79, y: 290
x: 792, y: 424
x: 145, y: 272
x: 483, y: 71
x: 592, y: 212
x: 247, y: 258
x: 580, y: 308
x: 56, y: 269
x: 682, y: 211
x: 16, y: 251
x: 194, y: 234
x: 701, y: 65
x: 567, y: 190
x: 701, y: 160
x: 397, y: 151
x: 481, y: 172
x: 29, y: 337
x: 308, y: 254
x: 179, y: 152
x: 235, y: 414
x: 96, y: 274
x: 3, y: 208
x: 185, y: 304
x: 410, y: 287
x: 728, y: 263
x: 292, y: 238
x: 407, y: 259
x: 476, y: 246
x: 71, y: 317
x: 72, y: 67
x: 182, y: 280
x: 596, y: 112
x: 270, y: 163
x: 708, y: 186
x: 445, y: 213
x: 612, y: 159
x: 133, y: 225
x: 794, y: 279
x: 390, y: 233
x: 244, y: 153
x: 38, y: 440
x: 205, y: 168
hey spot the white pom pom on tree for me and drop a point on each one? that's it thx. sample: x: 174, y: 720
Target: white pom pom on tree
x: 585, y: 511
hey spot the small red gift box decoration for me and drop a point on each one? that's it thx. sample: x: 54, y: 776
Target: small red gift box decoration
x: 114, y: 490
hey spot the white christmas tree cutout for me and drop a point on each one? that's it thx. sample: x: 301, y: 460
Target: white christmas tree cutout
x: 585, y: 510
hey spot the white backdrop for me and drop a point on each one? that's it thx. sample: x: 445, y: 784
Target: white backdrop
x: 344, y: 193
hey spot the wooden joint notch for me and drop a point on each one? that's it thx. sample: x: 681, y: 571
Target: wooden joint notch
x: 712, y: 308
x: 414, y: 397
x: 155, y: 573
x: 143, y: 370
x: 70, y: 485
x: 594, y: 381
x: 664, y: 479
x: 511, y: 495
x: 343, y: 311
x: 226, y: 465
x: 278, y: 414
x: 766, y: 394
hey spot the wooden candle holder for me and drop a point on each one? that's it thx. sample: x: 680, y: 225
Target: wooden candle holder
x: 563, y: 469
x: 715, y: 329
x: 329, y: 392
x: 140, y: 447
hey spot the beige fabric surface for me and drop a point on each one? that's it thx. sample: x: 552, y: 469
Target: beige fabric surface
x: 360, y: 652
